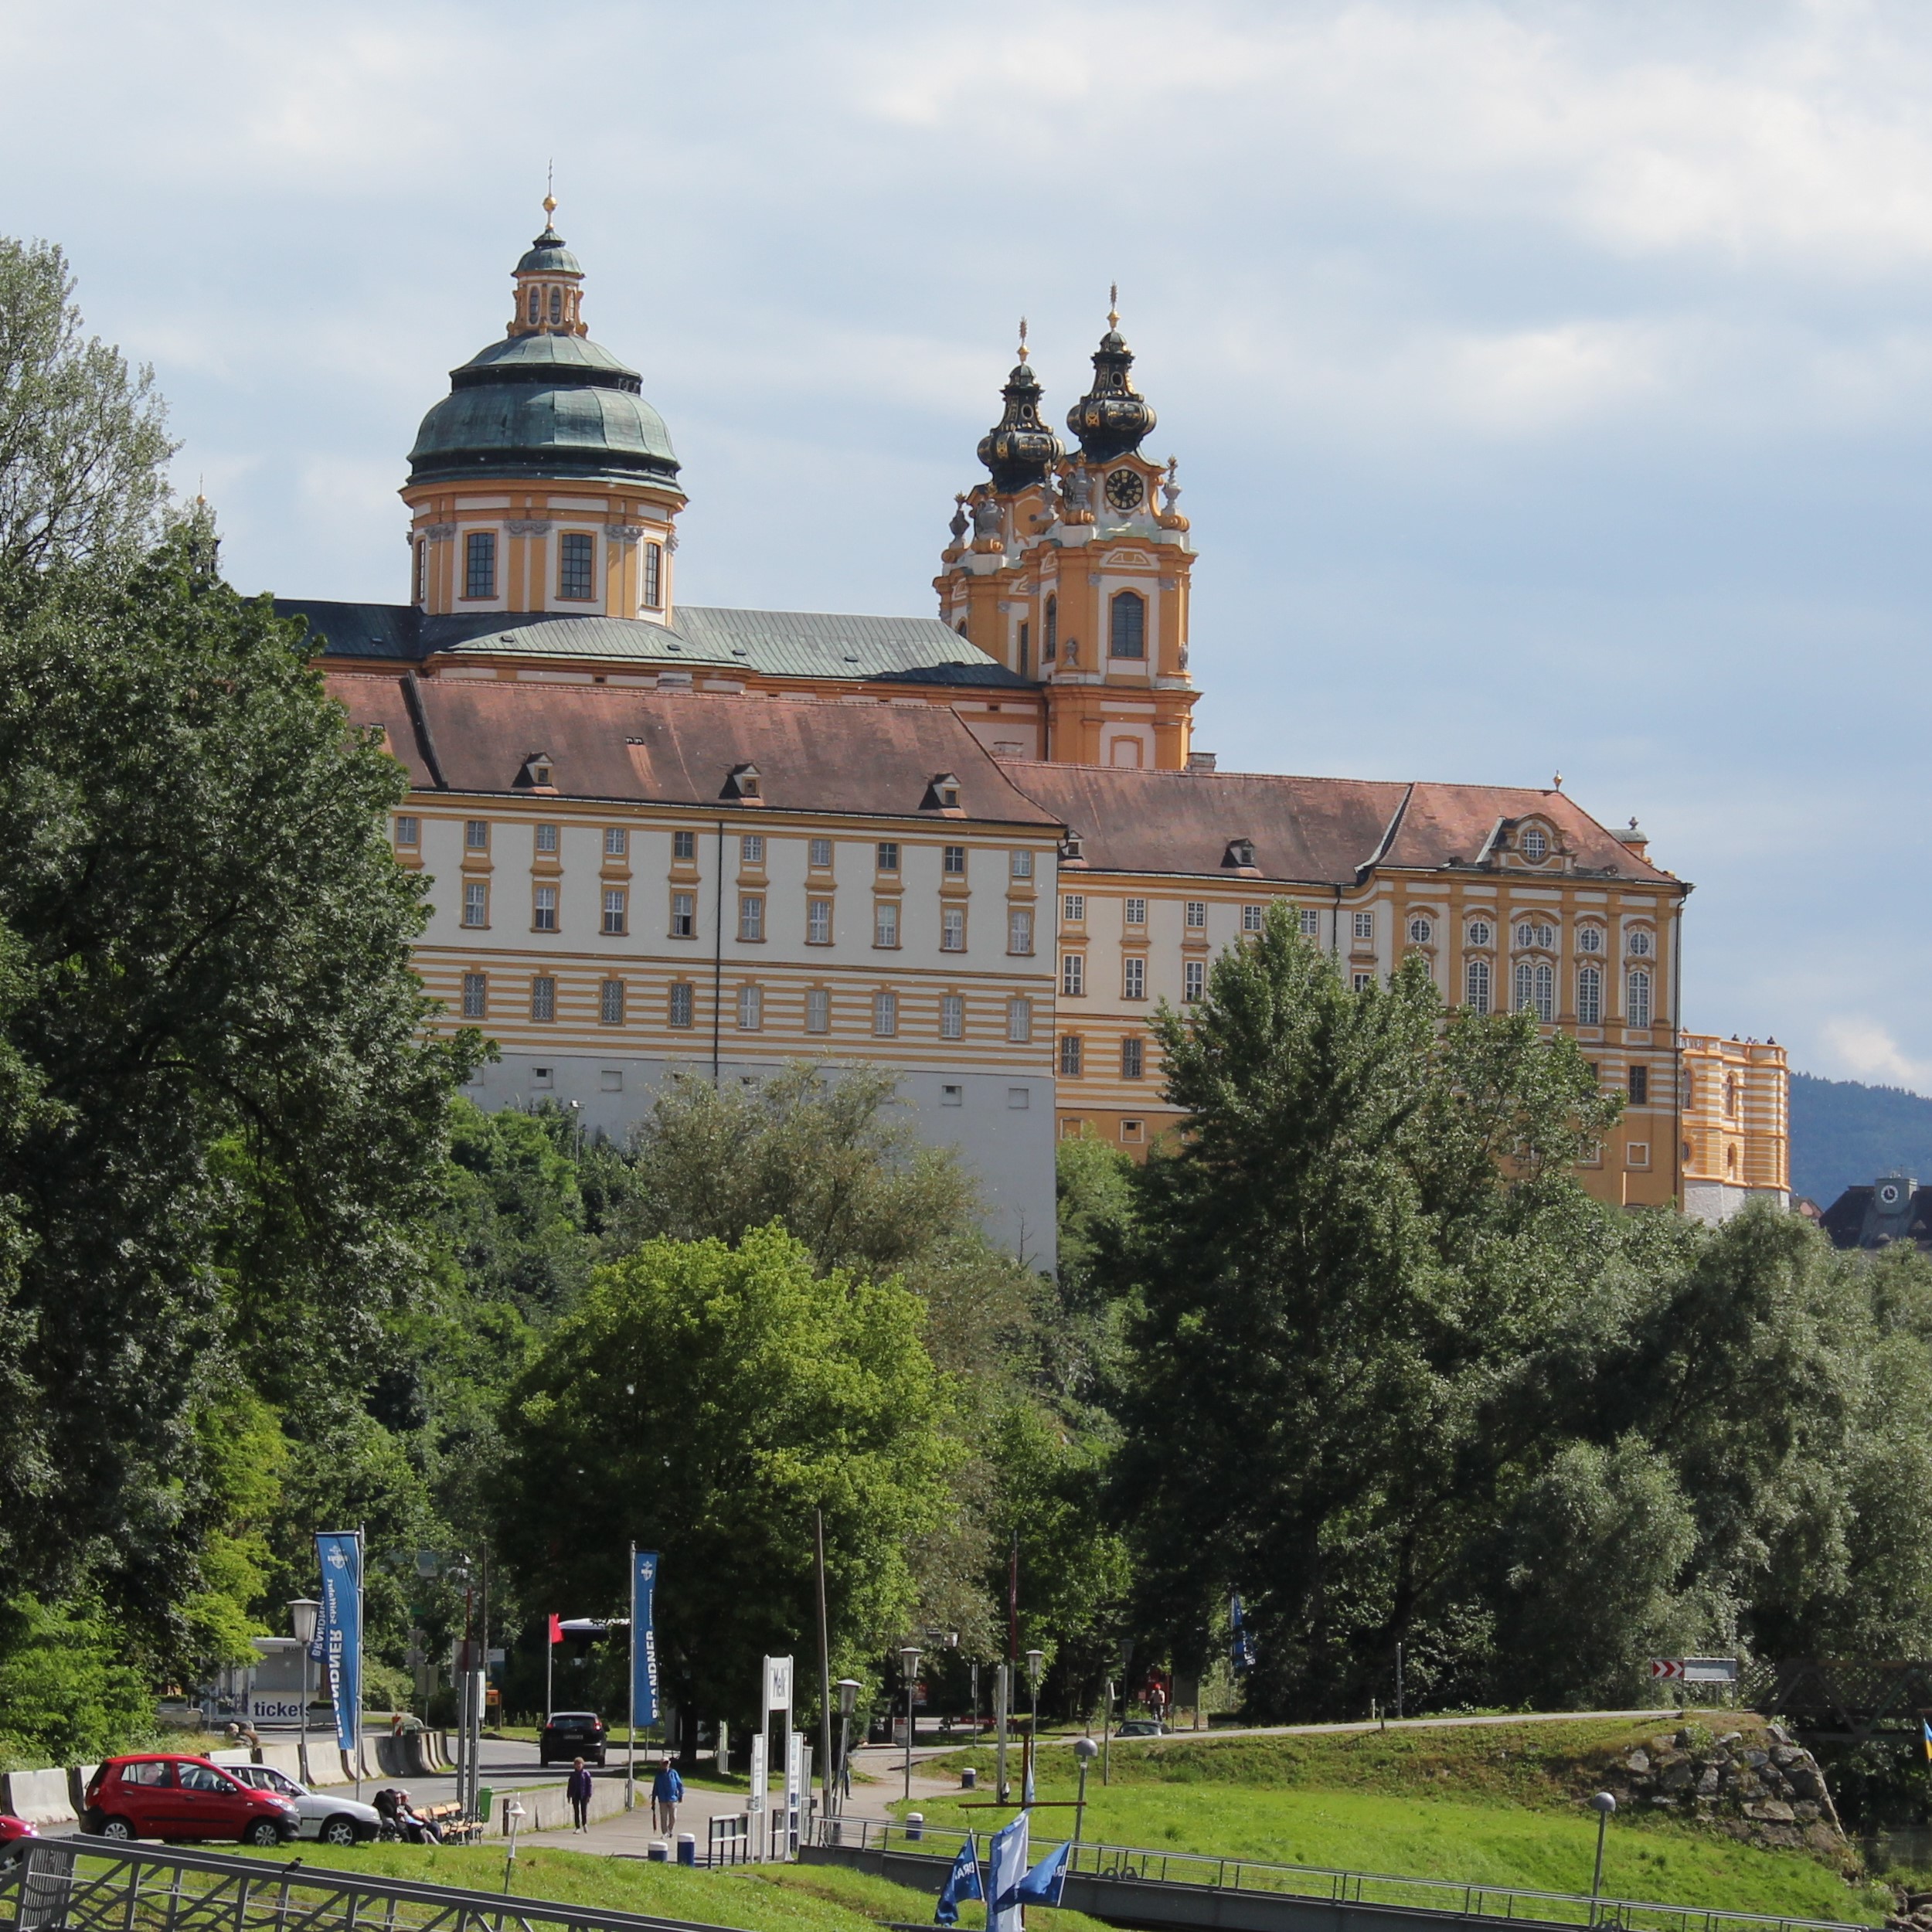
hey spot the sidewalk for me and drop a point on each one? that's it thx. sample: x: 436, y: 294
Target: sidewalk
x: 629, y: 1834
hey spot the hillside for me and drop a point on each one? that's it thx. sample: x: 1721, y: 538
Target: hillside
x: 1844, y: 1133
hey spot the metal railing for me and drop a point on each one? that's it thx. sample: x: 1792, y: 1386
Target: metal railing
x: 1133, y: 1865
x: 82, y: 1885
x: 728, y: 1839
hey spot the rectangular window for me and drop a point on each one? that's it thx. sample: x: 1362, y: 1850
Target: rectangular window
x: 1133, y: 1130
x: 610, y: 1003
x: 1475, y: 986
x: 614, y: 898
x: 1639, y: 1085
x: 422, y: 571
x: 1020, y: 1098
x: 1073, y: 975
x: 1637, y: 1154
x: 885, y: 921
x: 952, y: 1097
x: 1020, y: 864
x: 1637, y: 1005
x: 1196, y: 915
x: 751, y: 848
x: 543, y: 998
x: 952, y: 1016
x: 616, y: 842
x: 1019, y: 1021
x: 576, y: 556
x: 1133, y: 979
x: 888, y: 855
x: 817, y: 922
x: 1137, y: 912
x: 1590, y: 995
x: 1069, y: 1056
x: 476, y: 995
x: 654, y: 576
x: 476, y: 834
x: 479, y: 564
x: 885, y: 1013
x: 1193, y: 979
x: 1362, y: 982
x: 1132, y: 1059
x: 1127, y: 628
x: 684, y: 915
x: 684, y: 845
x: 1364, y: 926
x: 611, y: 1080
x: 682, y: 1003
x: 1073, y: 909
x: 952, y: 929
x: 476, y: 903
x: 953, y: 860
x: 1310, y: 923
x: 1026, y: 645
x: 1251, y: 919
x: 821, y: 855
x: 546, y: 839
x: 751, y: 1008
x: 817, y: 1010
x: 1019, y: 929
x: 544, y: 918
x: 751, y: 916
x: 408, y: 831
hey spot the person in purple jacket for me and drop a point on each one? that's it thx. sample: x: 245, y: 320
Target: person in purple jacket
x: 576, y: 1787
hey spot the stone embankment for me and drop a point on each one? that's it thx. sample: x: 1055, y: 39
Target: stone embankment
x: 1761, y: 1788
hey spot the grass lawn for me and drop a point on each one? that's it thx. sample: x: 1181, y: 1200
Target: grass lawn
x: 1496, y: 1806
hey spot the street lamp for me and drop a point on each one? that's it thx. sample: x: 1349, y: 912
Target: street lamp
x: 1086, y: 1750
x: 1602, y: 1805
x: 1034, y: 1659
x: 909, y: 1669
x: 848, y: 1698
x: 303, y: 1612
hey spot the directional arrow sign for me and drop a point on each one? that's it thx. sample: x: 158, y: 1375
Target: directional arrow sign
x: 1666, y: 1667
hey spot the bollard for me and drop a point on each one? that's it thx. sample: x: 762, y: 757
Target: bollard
x: 915, y: 1827
x: 660, y: 1852
x: 969, y: 1779
x: 687, y: 1847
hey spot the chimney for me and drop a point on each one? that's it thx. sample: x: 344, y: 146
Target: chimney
x: 1636, y: 839
x: 1200, y: 761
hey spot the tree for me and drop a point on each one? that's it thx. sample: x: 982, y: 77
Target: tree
x: 703, y: 1401
x: 83, y: 443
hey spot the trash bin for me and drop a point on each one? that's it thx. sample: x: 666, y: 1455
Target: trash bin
x: 915, y: 1827
x: 969, y: 1778
x: 485, y: 1797
x: 687, y: 1847
x: 660, y: 1852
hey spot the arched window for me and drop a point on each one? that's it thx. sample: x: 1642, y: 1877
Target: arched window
x: 1535, y: 846
x: 1640, y: 944
x: 1128, y: 637
x: 1590, y: 939
x: 1730, y: 1096
x: 556, y: 305
x: 1524, y: 994
x: 1546, y: 991
x: 1730, y: 1160
x: 536, y: 307
x: 1049, y: 639
x: 1636, y: 1001
x: 1475, y: 986
x: 1590, y: 995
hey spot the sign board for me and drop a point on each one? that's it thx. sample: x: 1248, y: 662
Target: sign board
x: 1695, y: 1670
x: 777, y: 1684
x: 274, y: 1707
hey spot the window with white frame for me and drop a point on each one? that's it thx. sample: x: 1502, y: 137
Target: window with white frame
x: 1362, y: 982
x: 1019, y: 864
x: 952, y: 929
x: 409, y: 830
x: 1536, y: 932
x: 683, y: 846
x: 1475, y: 985
x: 684, y: 915
x: 1422, y: 929
x: 1534, y: 844
x: 1480, y: 932
x: 953, y: 860
x: 543, y: 999
x: 1637, y: 998
x: 476, y: 903
x: 614, y: 909
x: 888, y: 855
x: 1590, y: 939
x: 1019, y: 929
x: 751, y: 916
x: 885, y: 921
x: 1073, y: 909
x: 1196, y: 915
x: 817, y: 922
x: 1069, y: 1056
x: 575, y: 566
x: 819, y: 855
x: 1544, y: 997
x: 610, y: 1003
x: 1137, y: 912
x: 476, y: 834
x: 682, y: 1002
x: 1127, y: 625
x: 1253, y: 918
x: 543, y: 913
x: 751, y: 1008
x: 1362, y: 925
x: 1641, y: 944
x: 1134, y: 978
x: 654, y: 576
x: 1193, y: 980
x: 1019, y: 1021
x: 1590, y: 995
x: 817, y: 1010
x: 1133, y: 1059
x: 616, y: 842
x: 952, y: 1016
x: 1637, y: 1154
x: 479, y: 564
x: 476, y: 995
x: 1523, y: 987
x: 885, y: 1013
x: 1310, y: 923
x: 546, y: 840
x: 751, y: 848
x: 1073, y: 974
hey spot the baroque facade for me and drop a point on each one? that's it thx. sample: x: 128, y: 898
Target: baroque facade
x: 977, y: 849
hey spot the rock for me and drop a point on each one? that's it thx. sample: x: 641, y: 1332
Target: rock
x: 1805, y: 1809
x: 1804, y: 1780
x: 1732, y: 1737
x: 1707, y: 1785
x: 1676, y: 1777
x: 1638, y: 1759
x: 1757, y: 1760
x: 1771, y: 1812
x: 1666, y: 1799
x: 1783, y: 1755
x: 1684, y: 1741
x: 1779, y: 1733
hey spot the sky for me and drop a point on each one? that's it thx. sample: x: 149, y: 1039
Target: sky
x: 1551, y: 384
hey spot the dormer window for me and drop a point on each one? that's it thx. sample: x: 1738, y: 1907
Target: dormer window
x: 1241, y: 852
x: 1534, y: 844
x: 744, y: 784
x: 942, y: 793
x: 1072, y: 852
x: 536, y: 772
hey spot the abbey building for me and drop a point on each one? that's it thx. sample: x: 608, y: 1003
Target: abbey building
x: 977, y: 847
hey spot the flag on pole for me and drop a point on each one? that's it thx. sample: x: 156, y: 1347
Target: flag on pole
x: 1241, y: 1648
x: 1927, y: 1729
x: 1042, y: 1884
x: 556, y: 1629
x: 341, y: 1629
x: 962, y: 1882
x: 643, y: 1638
x: 1006, y: 1868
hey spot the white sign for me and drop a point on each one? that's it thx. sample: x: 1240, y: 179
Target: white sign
x: 760, y: 1775
x: 1695, y: 1670
x: 777, y: 1684
x: 1666, y: 1667
x: 275, y: 1707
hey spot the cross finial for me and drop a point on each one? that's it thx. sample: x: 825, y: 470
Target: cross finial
x: 1022, y: 339
x: 550, y: 191
x: 1559, y: 781
x: 1113, y: 305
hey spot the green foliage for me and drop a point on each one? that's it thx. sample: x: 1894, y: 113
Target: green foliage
x: 67, y: 1693
x: 703, y: 1400
x: 240, y: 1456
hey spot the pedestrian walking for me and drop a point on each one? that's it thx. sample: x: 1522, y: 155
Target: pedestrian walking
x: 667, y: 1793
x: 577, y: 1789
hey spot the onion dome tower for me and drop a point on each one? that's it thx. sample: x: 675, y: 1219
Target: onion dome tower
x: 1111, y: 420
x: 544, y: 410
x: 1019, y: 450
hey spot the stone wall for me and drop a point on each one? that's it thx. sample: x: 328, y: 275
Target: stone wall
x: 1759, y: 1787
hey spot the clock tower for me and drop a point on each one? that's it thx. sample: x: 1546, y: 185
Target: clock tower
x: 1071, y: 567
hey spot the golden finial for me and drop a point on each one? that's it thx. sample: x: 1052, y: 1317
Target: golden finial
x: 1022, y: 339
x: 1113, y: 305
x: 550, y: 191
x: 1559, y: 781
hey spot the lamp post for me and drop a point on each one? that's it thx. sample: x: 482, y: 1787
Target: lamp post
x: 1086, y: 1750
x: 909, y: 1669
x: 303, y: 1612
x: 848, y: 1699
x: 1034, y: 1659
x: 1602, y: 1805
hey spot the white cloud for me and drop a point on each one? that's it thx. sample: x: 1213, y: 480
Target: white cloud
x: 1862, y: 1050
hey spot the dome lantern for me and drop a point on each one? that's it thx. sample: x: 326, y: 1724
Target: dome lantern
x: 1111, y: 420
x: 1019, y: 450
x: 549, y: 285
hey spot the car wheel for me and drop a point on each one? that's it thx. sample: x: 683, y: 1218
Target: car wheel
x: 338, y: 1830
x: 264, y: 1831
x: 119, y: 1829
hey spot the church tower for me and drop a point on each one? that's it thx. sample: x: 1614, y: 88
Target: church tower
x: 544, y: 482
x: 1072, y: 569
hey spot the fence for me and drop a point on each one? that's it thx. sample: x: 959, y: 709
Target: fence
x: 1128, y: 1864
x: 728, y: 1840
x: 69, y: 1885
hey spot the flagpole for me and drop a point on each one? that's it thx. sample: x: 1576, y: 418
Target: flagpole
x: 550, y: 1663
x: 356, y: 1730
x: 824, y: 1672
x: 631, y: 1749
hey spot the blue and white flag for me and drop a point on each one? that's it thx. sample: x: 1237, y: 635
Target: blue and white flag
x: 644, y: 1638
x: 1241, y: 1648
x: 962, y: 1882
x: 1006, y: 1868
x: 1042, y: 1884
x: 341, y: 1630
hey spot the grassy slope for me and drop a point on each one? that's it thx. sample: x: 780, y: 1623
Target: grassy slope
x: 1492, y: 1805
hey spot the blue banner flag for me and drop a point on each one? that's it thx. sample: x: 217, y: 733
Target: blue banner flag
x: 1006, y: 1868
x: 1042, y: 1884
x: 643, y: 1638
x: 1241, y: 1648
x: 1927, y: 1729
x: 341, y: 1628
x: 962, y: 1882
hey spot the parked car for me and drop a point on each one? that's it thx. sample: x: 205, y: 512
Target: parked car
x: 173, y: 1796
x: 15, y: 1835
x: 325, y: 1815
x: 571, y: 1734
x: 1141, y: 1727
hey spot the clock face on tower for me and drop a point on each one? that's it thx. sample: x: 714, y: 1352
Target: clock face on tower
x: 1125, y: 489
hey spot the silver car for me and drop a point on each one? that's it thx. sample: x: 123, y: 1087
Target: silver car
x: 323, y: 1814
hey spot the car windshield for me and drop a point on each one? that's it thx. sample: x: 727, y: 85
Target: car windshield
x: 574, y: 1717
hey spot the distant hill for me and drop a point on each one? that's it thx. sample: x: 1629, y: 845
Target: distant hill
x: 1844, y: 1132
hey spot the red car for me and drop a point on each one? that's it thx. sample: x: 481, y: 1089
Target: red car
x: 15, y: 1834
x: 173, y: 1797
